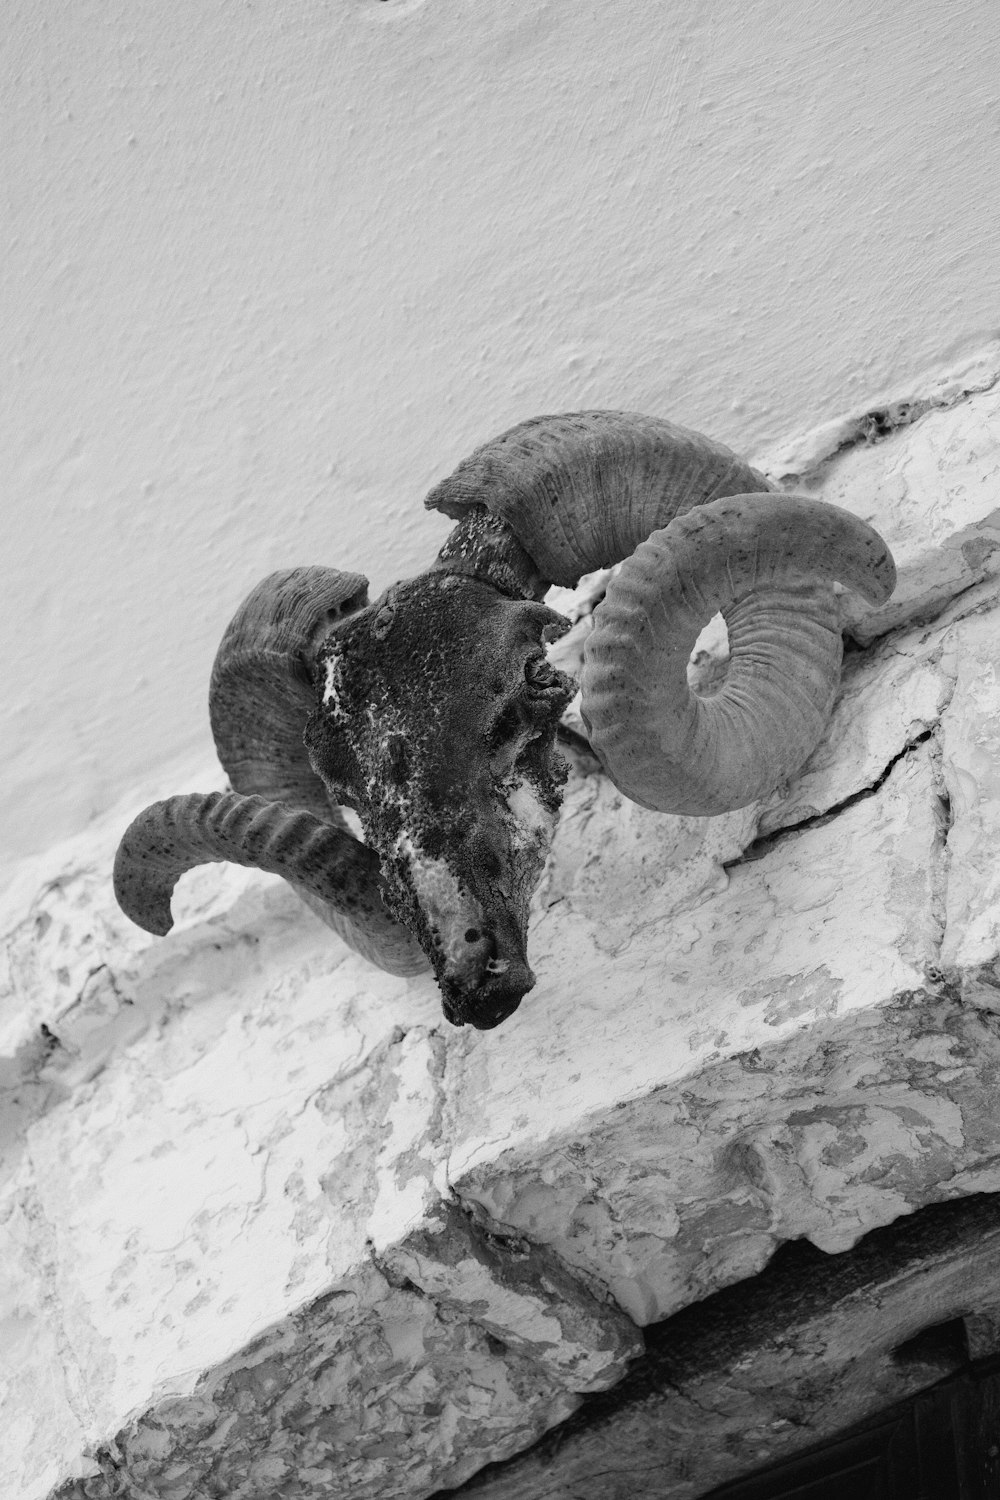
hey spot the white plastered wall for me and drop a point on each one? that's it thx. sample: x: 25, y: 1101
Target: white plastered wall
x: 270, y: 270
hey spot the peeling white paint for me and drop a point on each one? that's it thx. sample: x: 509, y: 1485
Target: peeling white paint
x: 266, y: 1216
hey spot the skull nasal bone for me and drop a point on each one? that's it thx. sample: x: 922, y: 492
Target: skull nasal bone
x: 507, y: 982
x: 492, y: 986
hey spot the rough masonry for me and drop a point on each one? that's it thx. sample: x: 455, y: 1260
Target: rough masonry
x: 271, y: 1228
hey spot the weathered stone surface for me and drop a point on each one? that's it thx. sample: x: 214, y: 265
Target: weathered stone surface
x: 789, y: 1052
x: 702, y: 961
x: 773, y: 1366
x: 873, y: 1121
x: 890, y: 697
x: 970, y: 743
x: 522, y: 1294
x: 776, y: 1024
x: 207, y: 1203
x: 806, y: 454
x: 368, y: 1391
x: 924, y: 466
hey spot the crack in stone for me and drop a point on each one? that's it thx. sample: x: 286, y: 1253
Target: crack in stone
x: 941, y: 859
x: 520, y: 1296
x: 762, y: 846
x: 978, y: 597
x: 880, y: 422
x: 45, y: 1263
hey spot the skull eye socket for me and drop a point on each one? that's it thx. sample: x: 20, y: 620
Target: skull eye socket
x: 540, y: 673
x: 522, y: 729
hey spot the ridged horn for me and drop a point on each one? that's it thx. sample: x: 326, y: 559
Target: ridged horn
x: 584, y: 490
x: 262, y: 686
x: 278, y: 817
x: 336, y: 874
x: 581, y: 490
x: 768, y: 562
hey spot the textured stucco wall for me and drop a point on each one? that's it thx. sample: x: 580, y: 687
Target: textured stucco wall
x: 270, y: 270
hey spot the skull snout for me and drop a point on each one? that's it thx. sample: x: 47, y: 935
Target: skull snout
x: 488, y: 984
x: 488, y: 981
x: 477, y: 947
x: 481, y: 964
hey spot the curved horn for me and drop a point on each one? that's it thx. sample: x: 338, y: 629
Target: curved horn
x: 768, y: 562
x: 262, y: 687
x: 334, y: 872
x: 580, y: 491
x: 585, y: 490
x: 278, y: 817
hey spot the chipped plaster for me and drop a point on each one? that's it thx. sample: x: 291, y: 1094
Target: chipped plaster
x: 268, y: 1220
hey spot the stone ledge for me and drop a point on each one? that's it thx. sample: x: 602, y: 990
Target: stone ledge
x: 520, y: 1293
x: 270, y: 1224
x: 771, y: 1367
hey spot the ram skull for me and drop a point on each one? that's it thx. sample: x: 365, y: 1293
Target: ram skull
x: 433, y: 711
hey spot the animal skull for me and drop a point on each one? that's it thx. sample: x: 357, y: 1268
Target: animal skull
x: 437, y: 719
x: 433, y: 711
